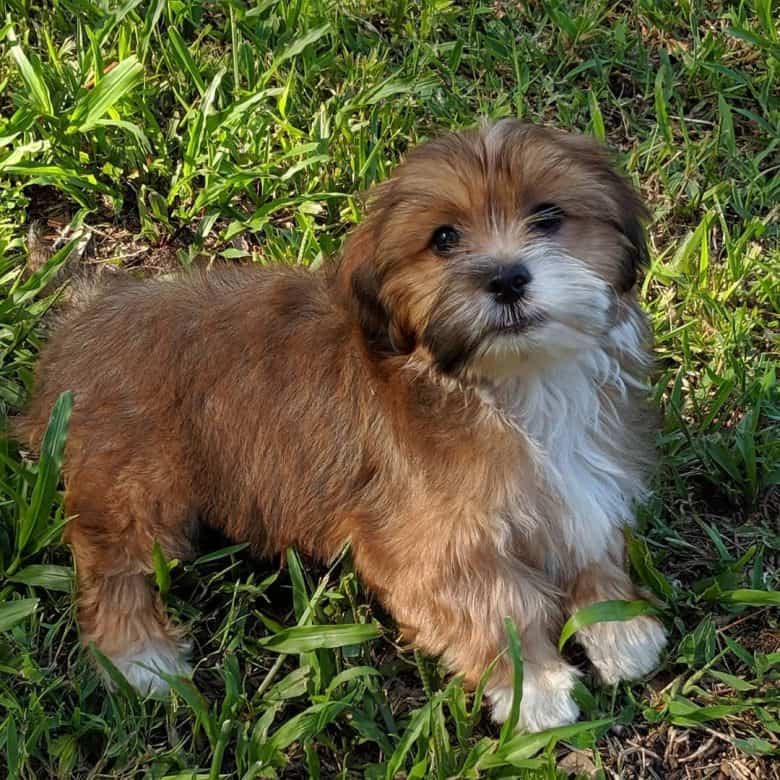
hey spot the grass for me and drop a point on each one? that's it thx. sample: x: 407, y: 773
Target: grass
x: 145, y: 136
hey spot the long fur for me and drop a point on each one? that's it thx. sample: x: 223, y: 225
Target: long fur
x: 480, y: 456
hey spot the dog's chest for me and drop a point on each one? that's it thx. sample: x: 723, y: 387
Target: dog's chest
x: 579, y: 450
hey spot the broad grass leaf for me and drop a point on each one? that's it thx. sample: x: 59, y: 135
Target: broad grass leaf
x: 642, y: 561
x: 162, y: 570
x: 353, y: 673
x: 751, y: 598
x: 36, y: 284
x: 36, y: 514
x: 726, y: 125
x: 483, y: 747
x: 13, y: 612
x: 699, y: 646
x: 737, y: 683
x: 184, y: 58
x: 295, y: 48
x: 130, y: 127
x: 21, y: 151
x: 217, y: 554
x: 479, y: 692
x: 661, y: 110
x: 596, y: 117
x: 260, y: 730
x: 197, y: 703
x: 116, y: 677
x: 298, y: 581
x: 111, y: 88
x: 525, y: 746
x: 418, y: 725
x: 291, y: 686
x: 684, y: 712
x: 370, y: 729
x: 11, y: 747
x: 755, y: 746
x: 48, y: 576
x: 305, y: 725
x: 305, y: 639
x: 602, y: 612
x: 32, y: 75
x: 740, y: 652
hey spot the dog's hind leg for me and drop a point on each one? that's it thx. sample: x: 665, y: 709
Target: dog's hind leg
x: 119, y: 610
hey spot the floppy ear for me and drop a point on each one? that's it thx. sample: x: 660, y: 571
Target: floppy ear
x: 630, y: 213
x: 632, y: 216
x: 360, y: 282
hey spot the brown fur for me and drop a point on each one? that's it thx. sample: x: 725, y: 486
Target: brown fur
x: 289, y: 407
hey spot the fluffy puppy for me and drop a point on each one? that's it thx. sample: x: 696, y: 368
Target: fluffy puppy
x: 460, y: 397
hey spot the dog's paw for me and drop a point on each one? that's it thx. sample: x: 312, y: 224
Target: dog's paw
x: 141, y: 667
x: 546, y: 702
x: 624, y: 650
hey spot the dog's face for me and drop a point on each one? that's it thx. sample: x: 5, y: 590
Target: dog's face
x: 495, y: 248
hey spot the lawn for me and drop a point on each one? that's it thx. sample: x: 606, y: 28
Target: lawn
x: 144, y: 137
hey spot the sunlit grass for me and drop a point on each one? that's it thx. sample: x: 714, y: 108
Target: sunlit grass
x: 172, y: 131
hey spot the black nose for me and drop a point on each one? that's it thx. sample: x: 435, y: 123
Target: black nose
x: 508, y: 285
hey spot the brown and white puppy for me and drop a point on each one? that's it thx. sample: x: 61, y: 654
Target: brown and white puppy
x: 461, y: 398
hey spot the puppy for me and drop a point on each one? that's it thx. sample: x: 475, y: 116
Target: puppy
x: 460, y: 397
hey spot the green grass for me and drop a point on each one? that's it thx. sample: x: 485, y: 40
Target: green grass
x: 149, y: 135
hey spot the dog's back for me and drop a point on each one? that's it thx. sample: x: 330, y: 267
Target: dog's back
x: 120, y: 345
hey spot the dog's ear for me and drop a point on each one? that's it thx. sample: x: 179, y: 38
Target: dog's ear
x: 632, y: 216
x: 629, y: 215
x: 360, y: 283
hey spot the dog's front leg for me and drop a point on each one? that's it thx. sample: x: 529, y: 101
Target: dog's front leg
x: 548, y: 679
x: 461, y: 617
x: 620, y: 650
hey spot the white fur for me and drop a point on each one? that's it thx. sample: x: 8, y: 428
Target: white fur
x: 575, y: 305
x: 546, y: 701
x: 561, y: 410
x: 139, y: 666
x: 624, y: 650
x: 558, y: 400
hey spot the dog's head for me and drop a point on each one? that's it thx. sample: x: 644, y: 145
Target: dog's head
x: 495, y: 247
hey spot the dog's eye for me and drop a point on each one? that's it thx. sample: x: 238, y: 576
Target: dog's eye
x: 546, y: 218
x: 445, y: 238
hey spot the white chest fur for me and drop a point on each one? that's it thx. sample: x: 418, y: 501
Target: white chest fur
x: 565, y: 409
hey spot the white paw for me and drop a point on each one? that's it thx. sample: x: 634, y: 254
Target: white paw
x: 141, y: 666
x: 546, y: 701
x: 624, y: 650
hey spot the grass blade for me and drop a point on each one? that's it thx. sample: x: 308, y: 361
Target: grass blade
x: 305, y: 639
x: 418, y: 725
x: 524, y: 746
x: 13, y: 612
x: 752, y: 598
x: 50, y: 577
x: 601, y: 612
x: 37, y: 513
x: 32, y: 76
x: 106, y: 94
x: 162, y: 569
x: 516, y: 657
